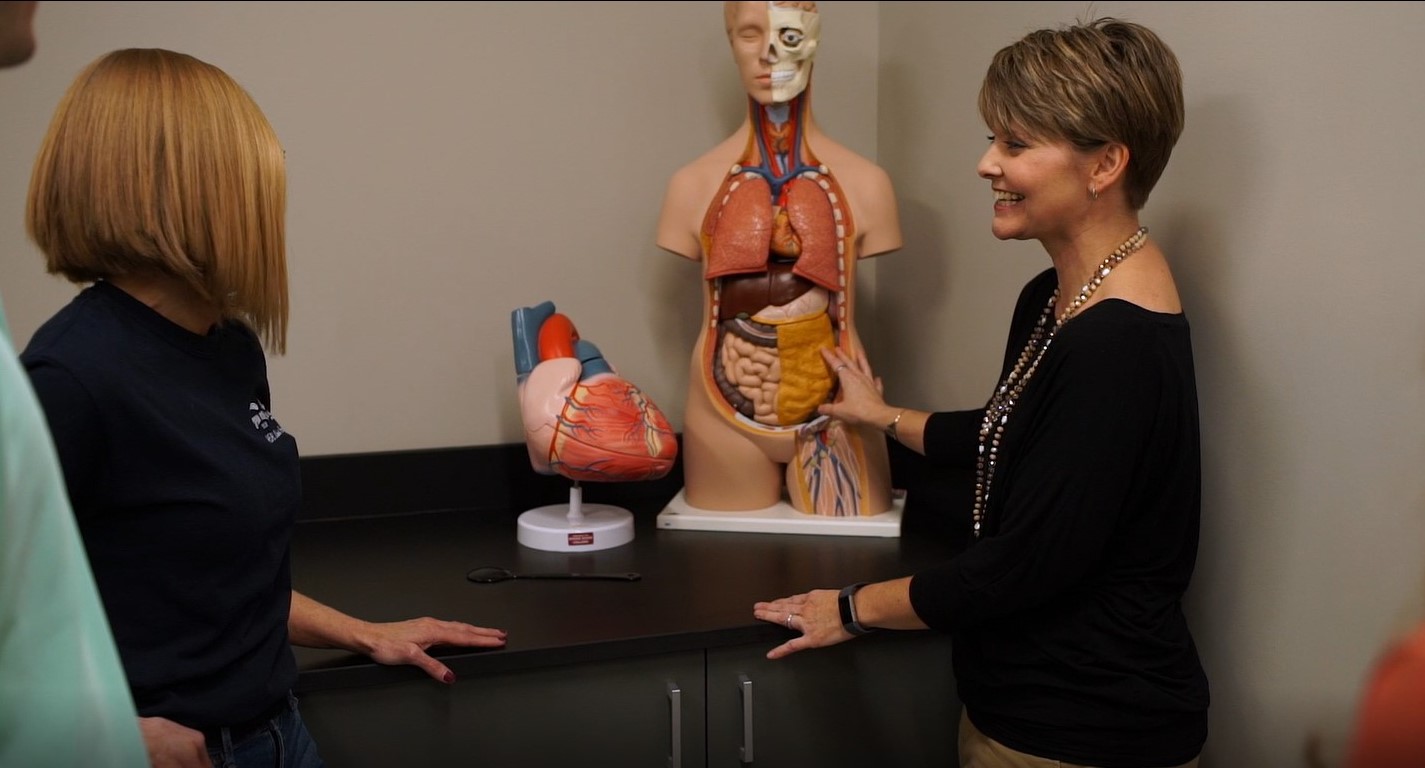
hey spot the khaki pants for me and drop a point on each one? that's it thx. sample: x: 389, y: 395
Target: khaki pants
x: 980, y: 751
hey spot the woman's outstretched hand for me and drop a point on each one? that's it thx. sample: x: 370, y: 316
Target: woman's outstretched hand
x: 860, y: 400
x: 815, y: 615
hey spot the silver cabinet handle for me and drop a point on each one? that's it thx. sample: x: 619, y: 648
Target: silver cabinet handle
x: 745, y: 685
x: 675, y: 724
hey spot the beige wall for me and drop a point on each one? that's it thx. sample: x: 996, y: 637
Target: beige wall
x: 1291, y: 212
x: 451, y: 161
x: 448, y: 163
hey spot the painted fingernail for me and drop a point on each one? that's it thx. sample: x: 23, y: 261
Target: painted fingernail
x: 449, y: 677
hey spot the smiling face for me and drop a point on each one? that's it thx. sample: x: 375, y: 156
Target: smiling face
x: 774, y: 45
x: 1041, y: 186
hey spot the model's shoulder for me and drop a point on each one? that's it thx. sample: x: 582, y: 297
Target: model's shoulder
x: 712, y: 165
x: 841, y: 159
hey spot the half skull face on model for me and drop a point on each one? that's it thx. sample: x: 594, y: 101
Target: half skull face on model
x: 782, y: 36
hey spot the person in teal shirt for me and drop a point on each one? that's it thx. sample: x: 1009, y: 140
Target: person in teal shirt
x: 64, y: 700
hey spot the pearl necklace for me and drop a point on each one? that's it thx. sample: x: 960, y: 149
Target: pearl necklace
x: 1009, y: 390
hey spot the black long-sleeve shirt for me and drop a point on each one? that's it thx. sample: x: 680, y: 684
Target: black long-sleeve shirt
x: 1070, y: 641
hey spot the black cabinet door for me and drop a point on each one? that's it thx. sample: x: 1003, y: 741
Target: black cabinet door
x: 885, y: 700
x: 624, y: 713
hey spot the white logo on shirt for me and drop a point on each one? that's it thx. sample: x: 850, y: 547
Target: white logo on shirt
x: 263, y: 421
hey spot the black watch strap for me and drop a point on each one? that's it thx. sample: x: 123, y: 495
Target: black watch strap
x: 847, y: 604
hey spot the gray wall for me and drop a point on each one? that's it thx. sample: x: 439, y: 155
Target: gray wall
x: 451, y: 161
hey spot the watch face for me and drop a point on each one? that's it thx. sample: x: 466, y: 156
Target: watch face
x: 848, y: 610
x: 844, y: 603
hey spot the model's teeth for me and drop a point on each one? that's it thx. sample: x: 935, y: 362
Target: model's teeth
x: 783, y: 76
x: 1007, y: 197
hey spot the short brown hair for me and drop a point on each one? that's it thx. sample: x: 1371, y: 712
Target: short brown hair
x: 1089, y: 84
x: 158, y: 162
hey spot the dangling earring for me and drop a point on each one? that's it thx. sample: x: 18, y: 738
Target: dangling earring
x: 1093, y: 192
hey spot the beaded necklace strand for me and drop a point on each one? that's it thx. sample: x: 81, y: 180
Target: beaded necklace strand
x: 1009, y: 390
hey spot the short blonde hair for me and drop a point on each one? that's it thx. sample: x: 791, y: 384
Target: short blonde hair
x: 158, y: 162
x: 1089, y: 84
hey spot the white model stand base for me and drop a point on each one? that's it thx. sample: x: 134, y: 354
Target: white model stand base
x: 780, y: 518
x: 576, y: 526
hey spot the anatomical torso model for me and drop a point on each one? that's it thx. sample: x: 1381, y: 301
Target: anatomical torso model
x: 778, y: 214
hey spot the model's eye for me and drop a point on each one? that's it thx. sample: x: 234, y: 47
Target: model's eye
x: 791, y: 37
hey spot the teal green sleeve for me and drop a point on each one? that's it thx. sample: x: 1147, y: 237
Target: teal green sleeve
x: 63, y: 696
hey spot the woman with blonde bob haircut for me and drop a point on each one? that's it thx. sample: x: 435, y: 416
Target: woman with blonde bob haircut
x: 162, y: 183
x: 176, y: 172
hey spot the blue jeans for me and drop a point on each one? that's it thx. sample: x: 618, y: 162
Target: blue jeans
x: 283, y: 742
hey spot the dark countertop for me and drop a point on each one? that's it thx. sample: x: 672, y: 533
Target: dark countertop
x: 697, y: 589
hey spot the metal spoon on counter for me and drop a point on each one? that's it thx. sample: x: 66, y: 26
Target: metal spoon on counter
x: 492, y: 574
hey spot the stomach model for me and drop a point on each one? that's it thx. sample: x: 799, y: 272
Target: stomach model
x: 581, y: 419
